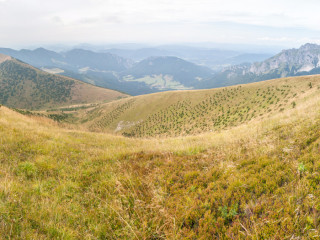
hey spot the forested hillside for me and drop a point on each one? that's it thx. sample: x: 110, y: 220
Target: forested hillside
x: 23, y: 86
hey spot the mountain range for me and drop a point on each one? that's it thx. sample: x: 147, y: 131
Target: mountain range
x: 292, y: 62
x: 210, y: 57
x: 137, y: 72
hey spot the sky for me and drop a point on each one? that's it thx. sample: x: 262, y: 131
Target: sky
x: 287, y: 23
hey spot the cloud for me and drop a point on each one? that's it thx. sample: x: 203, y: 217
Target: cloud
x: 280, y: 21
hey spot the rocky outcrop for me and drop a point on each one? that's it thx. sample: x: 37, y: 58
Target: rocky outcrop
x: 304, y: 59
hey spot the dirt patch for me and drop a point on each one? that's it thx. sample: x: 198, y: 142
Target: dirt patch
x: 123, y: 125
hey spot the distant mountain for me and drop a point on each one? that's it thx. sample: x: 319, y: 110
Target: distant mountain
x: 79, y: 59
x: 247, y: 58
x: 23, y: 86
x: 151, y: 75
x: 96, y: 68
x: 141, y: 54
x: 213, y: 58
x: 74, y: 60
x: 108, y: 70
x: 292, y: 62
x: 169, y: 67
x: 39, y: 57
x: 166, y: 73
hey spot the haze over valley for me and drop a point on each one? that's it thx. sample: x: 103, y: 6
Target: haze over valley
x: 154, y: 69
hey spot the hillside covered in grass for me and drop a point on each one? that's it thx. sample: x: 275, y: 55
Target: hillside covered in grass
x: 23, y: 86
x: 182, y: 113
x: 257, y: 180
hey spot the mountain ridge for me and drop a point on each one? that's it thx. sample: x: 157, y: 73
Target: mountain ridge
x: 181, y: 113
x: 25, y: 86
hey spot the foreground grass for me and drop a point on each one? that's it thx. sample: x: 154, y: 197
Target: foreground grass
x: 259, y: 180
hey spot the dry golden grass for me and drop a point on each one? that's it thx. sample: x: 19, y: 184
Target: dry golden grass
x: 257, y: 180
x: 183, y: 113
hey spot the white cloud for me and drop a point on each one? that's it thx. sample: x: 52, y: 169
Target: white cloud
x: 151, y: 20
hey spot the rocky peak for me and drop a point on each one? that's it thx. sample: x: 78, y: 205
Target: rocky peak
x: 309, y: 47
x: 289, y: 62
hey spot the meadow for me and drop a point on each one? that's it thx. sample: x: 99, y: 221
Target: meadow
x: 256, y: 179
x: 183, y: 113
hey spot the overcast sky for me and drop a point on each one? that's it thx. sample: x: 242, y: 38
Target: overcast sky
x: 287, y: 23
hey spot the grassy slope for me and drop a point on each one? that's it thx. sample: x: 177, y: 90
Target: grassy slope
x: 194, y: 112
x: 23, y: 86
x: 256, y: 180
